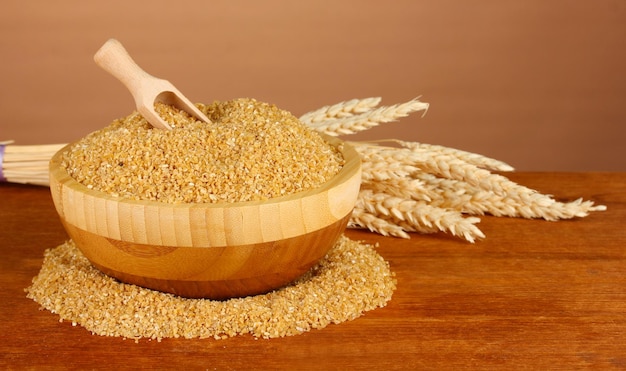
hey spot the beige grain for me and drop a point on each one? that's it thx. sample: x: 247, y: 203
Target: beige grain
x: 250, y: 151
x: 350, y: 280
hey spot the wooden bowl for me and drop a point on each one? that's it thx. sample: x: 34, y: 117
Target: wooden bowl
x: 207, y: 250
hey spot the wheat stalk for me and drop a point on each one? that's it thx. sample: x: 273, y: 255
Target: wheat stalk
x: 26, y: 164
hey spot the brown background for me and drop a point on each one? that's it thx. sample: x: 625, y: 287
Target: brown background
x: 539, y: 84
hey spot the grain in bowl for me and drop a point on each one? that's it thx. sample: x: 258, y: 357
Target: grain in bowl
x: 250, y: 151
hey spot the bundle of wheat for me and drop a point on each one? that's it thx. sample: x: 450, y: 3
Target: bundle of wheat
x: 417, y: 187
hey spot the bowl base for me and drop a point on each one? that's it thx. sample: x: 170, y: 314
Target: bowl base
x: 276, y: 263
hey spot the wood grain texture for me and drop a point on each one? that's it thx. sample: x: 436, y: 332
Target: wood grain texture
x: 532, y: 295
x: 213, y: 250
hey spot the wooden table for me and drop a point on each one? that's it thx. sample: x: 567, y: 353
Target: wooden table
x: 536, y: 294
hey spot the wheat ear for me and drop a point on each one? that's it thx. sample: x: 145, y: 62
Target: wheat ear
x: 447, y: 164
x: 465, y: 156
x: 419, y: 216
x: 341, y: 109
x: 516, y: 200
x: 381, y: 163
x: 403, y: 187
x: 363, y: 219
x: 363, y: 121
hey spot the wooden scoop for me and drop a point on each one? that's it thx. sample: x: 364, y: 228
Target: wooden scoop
x: 146, y: 89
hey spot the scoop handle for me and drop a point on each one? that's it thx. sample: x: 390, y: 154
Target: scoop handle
x: 114, y: 59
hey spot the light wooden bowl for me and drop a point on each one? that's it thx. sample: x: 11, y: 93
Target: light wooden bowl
x: 207, y: 250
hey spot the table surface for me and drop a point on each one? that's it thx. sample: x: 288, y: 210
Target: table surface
x: 534, y: 294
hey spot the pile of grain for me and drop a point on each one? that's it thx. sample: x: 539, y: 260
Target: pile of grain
x: 349, y: 281
x: 250, y: 151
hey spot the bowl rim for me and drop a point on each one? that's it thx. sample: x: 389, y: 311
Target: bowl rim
x: 351, y: 166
